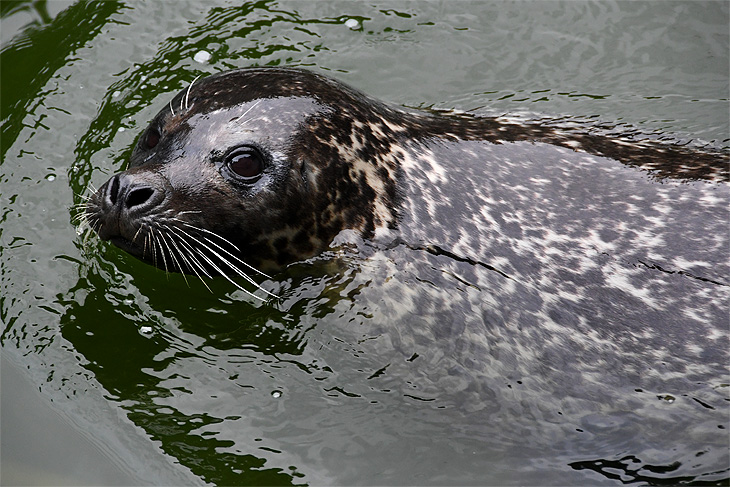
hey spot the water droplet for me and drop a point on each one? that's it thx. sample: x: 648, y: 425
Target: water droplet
x: 276, y: 394
x: 202, y: 57
x: 51, y: 177
x: 116, y: 94
x: 145, y: 330
x: 352, y: 24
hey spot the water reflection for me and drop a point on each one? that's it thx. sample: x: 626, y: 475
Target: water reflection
x: 172, y: 382
x: 36, y: 55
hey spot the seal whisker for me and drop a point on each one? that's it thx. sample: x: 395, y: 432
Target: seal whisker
x: 191, y: 260
x: 228, y: 263
x: 153, y: 249
x: 80, y: 216
x: 148, y: 243
x: 164, y: 236
x: 83, y: 204
x: 223, y: 274
x: 224, y: 250
x: 84, y: 226
x: 172, y: 248
x: 235, y: 269
x: 161, y: 250
x: 224, y: 261
x: 84, y: 230
x: 191, y: 254
x: 95, y: 223
x: 79, y: 211
x: 144, y: 245
x: 87, y: 197
x: 188, y: 92
x: 173, y: 238
x: 246, y: 112
x: 146, y: 238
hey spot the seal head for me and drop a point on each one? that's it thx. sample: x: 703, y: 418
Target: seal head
x: 263, y: 166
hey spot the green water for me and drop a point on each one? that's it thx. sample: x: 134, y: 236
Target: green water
x: 131, y: 376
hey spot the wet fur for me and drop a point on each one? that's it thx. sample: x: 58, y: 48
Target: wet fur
x: 337, y: 162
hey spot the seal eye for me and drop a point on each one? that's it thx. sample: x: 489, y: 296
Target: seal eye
x: 152, y: 138
x: 245, y: 163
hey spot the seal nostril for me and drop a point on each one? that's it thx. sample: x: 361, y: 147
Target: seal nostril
x: 138, y: 197
x: 114, y: 190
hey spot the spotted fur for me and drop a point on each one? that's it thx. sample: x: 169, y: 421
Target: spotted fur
x: 541, y: 289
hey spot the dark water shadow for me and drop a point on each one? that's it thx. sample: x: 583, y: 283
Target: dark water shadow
x: 122, y: 346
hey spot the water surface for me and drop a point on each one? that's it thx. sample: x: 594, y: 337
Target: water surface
x: 152, y: 379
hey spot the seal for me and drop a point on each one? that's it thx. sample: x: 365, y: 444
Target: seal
x: 564, y: 283
x: 258, y: 168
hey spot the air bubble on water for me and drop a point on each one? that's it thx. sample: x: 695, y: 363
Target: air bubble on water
x: 352, y: 24
x: 202, y: 57
x: 51, y: 177
x: 145, y: 330
x: 276, y: 394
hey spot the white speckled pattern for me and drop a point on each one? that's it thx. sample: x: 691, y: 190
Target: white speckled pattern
x: 579, y: 252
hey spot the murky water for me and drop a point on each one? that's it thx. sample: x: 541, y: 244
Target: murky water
x: 132, y: 376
